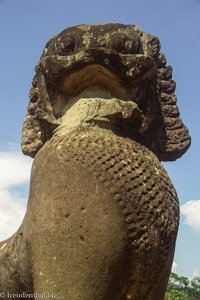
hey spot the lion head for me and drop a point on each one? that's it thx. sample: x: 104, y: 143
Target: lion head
x: 124, y: 61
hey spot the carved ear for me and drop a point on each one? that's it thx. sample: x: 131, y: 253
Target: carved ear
x: 172, y: 137
x: 40, y: 122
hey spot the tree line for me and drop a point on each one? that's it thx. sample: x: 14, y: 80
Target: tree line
x: 182, y: 288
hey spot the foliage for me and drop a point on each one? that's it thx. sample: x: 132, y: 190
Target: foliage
x: 177, y: 295
x: 195, y: 286
x: 181, y: 288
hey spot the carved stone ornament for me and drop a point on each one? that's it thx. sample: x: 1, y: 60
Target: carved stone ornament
x: 103, y: 215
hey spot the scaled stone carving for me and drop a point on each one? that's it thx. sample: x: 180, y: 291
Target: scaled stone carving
x: 102, y: 216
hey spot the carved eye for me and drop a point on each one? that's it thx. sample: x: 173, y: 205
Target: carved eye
x: 123, y: 44
x: 65, y: 45
x: 132, y: 46
x: 118, y: 42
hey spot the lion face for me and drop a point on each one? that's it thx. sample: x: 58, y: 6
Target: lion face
x: 124, y: 61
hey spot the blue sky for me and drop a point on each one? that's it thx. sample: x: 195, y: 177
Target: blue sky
x: 25, y: 27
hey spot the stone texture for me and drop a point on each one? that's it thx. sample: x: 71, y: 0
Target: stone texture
x: 103, y: 215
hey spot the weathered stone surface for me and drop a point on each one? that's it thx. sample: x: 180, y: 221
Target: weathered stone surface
x: 103, y: 215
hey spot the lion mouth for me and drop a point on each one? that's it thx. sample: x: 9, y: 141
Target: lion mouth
x: 126, y: 77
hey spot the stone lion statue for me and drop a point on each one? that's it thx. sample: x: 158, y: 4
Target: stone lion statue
x: 102, y: 216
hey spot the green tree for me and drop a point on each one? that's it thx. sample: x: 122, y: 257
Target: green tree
x: 195, y: 287
x: 177, y: 295
x: 181, y: 288
x: 177, y: 282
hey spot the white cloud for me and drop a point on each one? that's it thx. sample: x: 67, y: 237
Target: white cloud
x: 174, y: 267
x: 11, y: 213
x: 14, y: 172
x: 14, y: 169
x: 191, y: 211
